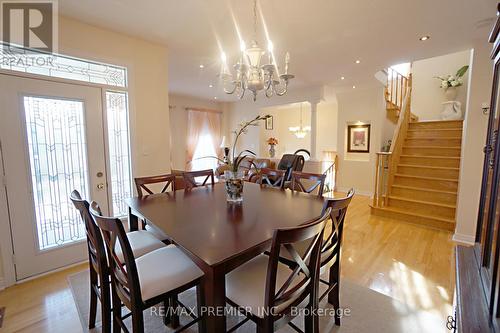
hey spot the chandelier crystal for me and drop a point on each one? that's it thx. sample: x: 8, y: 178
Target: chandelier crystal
x: 249, y: 74
x: 300, y: 131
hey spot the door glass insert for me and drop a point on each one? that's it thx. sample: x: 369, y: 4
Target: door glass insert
x: 58, y: 161
x: 119, y: 152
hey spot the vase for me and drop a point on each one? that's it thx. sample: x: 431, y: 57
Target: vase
x: 272, y: 151
x: 234, y: 185
x: 450, y: 93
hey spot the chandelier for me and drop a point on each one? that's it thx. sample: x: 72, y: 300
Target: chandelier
x: 250, y: 74
x: 300, y: 131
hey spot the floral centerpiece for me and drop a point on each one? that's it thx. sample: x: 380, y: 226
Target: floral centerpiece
x: 272, y: 142
x: 450, y: 82
x: 232, y: 174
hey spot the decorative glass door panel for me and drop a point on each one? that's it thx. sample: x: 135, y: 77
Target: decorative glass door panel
x: 55, y: 130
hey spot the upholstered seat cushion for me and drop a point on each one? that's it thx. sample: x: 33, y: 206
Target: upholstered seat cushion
x: 156, y: 232
x: 141, y: 242
x: 246, y: 285
x: 163, y: 270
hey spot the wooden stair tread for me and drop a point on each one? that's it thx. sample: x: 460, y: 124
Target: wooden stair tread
x: 423, y: 202
x: 435, y: 129
x: 430, y: 156
x: 428, y: 167
x: 425, y: 177
x: 436, y: 138
x: 425, y: 216
x: 423, y: 189
x: 432, y: 147
x: 437, y: 121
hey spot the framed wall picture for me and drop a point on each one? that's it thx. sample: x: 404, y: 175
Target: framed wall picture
x: 358, y: 138
x: 269, y: 123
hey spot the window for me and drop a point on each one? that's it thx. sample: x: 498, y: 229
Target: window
x: 204, y: 148
x: 203, y: 139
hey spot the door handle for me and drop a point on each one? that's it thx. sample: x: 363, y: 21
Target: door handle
x: 100, y: 186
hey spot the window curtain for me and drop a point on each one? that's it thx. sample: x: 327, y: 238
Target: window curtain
x: 196, y: 122
x: 214, y: 128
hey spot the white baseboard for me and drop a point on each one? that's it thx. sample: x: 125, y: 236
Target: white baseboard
x: 345, y: 189
x: 465, y: 239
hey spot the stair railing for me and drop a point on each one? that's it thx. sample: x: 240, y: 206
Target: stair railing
x: 396, y: 86
x: 387, y: 162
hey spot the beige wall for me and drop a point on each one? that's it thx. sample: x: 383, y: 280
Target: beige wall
x: 473, y: 141
x: 178, y: 122
x: 357, y: 170
x: 147, y: 65
x: 427, y: 95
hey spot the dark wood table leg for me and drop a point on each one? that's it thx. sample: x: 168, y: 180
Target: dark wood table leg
x: 133, y: 221
x: 214, y: 289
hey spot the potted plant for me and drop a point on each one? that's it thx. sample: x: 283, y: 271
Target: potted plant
x: 450, y: 83
x: 234, y: 178
x: 272, y: 142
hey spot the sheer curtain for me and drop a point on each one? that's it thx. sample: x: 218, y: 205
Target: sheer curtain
x: 214, y: 129
x: 203, y: 139
x: 196, y: 122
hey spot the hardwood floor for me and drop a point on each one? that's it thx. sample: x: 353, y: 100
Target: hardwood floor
x: 410, y: 263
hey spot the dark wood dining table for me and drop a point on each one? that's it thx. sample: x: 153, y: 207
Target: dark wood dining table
x: 220, y: 236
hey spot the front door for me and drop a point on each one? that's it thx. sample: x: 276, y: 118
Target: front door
x: 52, y: 142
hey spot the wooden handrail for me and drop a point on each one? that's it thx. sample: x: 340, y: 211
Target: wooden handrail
x: 387, y: 162
x: 396, y: 87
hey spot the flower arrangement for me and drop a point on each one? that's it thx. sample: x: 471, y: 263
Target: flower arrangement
x: 453, y: 80
x: 272, y: 141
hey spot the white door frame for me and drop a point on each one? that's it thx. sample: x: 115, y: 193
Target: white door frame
x: 6, y: 239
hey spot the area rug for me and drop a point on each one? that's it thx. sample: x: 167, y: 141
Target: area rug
x: 369, y: 311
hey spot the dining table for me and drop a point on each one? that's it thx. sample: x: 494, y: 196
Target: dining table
x: 220, y: 236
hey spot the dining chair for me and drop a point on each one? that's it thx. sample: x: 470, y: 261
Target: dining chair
x: 168, y: 181
x: 141, y: 243
x: 308, y: 182
x: 140, y: 283
x: 141, y: 182
x: 268, y: 292
x: 98, y: 266
x: 270, y: 178
x: 330, y: 250
x: 190, y: 178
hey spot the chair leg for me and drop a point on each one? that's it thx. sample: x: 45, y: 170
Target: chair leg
x: 168, y: 310
x: 105, y: 304
x: 200, y: 303
x: 174, y: 317
x: 266, y: 326
x: 137, y: 321
x: 93, y: 298
x: 117, y: 312
x: 334, y: 295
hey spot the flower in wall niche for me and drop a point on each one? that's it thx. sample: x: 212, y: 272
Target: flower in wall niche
x: 453, y: 80
x: 272, y: 141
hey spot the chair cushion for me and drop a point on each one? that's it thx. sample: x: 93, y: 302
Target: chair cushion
x: 246, y: 285
x: 141, y: 242
x: 156, y: 232
x: 163, y: 270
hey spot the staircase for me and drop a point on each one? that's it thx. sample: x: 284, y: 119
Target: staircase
x: 424, y: 186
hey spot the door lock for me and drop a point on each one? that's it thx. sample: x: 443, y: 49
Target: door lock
x: 100, y: 186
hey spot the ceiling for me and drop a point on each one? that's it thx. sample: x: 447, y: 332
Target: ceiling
x: 324, y: 37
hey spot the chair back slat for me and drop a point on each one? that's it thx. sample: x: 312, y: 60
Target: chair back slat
x: 95, y: 243
x: 301, y: 281
x: 318, y: 184
x: 141, y: 182
x: 271, y: 177
x: 332, y: 243
x: 123, y: 273
x: 190, y: 178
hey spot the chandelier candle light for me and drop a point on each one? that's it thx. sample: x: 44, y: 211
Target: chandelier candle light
x: 250, y: 74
